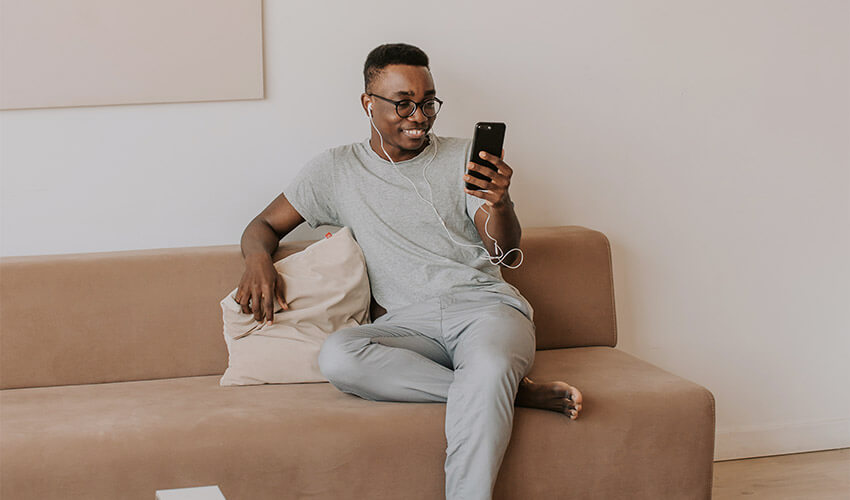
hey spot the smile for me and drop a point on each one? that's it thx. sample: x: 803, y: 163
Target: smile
x: 415, y: 133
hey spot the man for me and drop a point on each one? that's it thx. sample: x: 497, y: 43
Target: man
x: 454, y: 332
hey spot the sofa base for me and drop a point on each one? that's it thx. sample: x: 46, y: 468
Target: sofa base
x: 643, y: 433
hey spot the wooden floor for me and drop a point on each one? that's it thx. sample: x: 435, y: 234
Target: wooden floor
x: 815, y: 475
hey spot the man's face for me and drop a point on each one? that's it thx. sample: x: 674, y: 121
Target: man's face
x: 398, y: 82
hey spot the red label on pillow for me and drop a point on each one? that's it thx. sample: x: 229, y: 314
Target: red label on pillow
x: 328, y: 235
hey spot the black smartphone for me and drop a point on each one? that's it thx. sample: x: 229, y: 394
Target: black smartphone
x: 489, y: 137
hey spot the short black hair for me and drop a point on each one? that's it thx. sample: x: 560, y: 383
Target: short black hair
x: 391, y: 53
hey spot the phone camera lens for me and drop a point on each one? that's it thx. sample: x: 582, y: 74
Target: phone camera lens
x: 489, y: 127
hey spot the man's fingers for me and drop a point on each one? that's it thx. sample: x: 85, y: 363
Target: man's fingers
x: 278, y: 290
x: 477, y: 182
x: 243, y: 303
x: 484, y: 155
x: 257, y: 304
x: 481, y: 194
x: 268, y: 306
x: 481, y: 169
x: 477, y: 194
x: 501, y: 167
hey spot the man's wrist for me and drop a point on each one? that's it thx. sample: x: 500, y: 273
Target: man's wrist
x: 504, y: 207
x: 257, y: 256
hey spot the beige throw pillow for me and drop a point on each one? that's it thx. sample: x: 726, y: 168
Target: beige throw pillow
x: 326, y: 288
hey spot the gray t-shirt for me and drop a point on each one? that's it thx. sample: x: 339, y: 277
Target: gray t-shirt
x: 409, y: 255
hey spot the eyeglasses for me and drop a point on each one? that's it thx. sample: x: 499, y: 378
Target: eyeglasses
x: 404, y: 108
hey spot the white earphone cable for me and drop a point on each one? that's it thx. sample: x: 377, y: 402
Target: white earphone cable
x: 495, y: 260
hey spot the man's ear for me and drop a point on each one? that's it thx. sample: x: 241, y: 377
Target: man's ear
x: 366, y: 101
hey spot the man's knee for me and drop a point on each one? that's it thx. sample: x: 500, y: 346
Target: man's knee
x: 336, y: 357
x: 497, y: 367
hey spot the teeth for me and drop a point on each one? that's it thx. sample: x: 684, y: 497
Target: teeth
x: 415, y: 132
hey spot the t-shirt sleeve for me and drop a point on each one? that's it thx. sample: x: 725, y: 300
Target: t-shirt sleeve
x: 311, y: 192
x: 472, y: 202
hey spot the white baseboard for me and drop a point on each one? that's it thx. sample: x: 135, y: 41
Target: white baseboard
x: 781, y: 439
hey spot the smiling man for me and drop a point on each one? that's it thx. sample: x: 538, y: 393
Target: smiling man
x: 454, y: 332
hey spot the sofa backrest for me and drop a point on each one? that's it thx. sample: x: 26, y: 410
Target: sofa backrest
x: 149, y: 314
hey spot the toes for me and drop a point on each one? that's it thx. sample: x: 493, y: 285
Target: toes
x: 572, y: 401
x: 575, y: 395
x: 564, y: 398
x: 573, y: 398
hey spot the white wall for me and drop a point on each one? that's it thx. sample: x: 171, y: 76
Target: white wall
x: 707, y: 140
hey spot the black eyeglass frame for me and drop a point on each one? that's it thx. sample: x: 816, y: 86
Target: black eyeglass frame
x: 416, y: 105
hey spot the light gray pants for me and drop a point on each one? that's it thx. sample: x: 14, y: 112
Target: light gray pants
x: 469, y: 350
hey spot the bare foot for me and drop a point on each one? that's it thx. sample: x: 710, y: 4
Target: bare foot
x: 555, y: 396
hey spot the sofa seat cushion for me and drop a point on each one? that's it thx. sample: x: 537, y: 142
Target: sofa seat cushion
x: 126, y: 440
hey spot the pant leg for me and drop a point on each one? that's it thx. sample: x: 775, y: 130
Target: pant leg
x: 400, y: 357
x: 492, y: 342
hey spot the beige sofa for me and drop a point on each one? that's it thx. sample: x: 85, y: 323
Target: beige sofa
x: 110, y: 362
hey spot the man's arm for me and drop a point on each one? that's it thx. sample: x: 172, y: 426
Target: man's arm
x: 260, y: 283
x: 503, y: 226
x: 264, y: 233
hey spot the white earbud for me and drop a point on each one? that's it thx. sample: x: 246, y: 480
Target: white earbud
x: 369, y: 108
